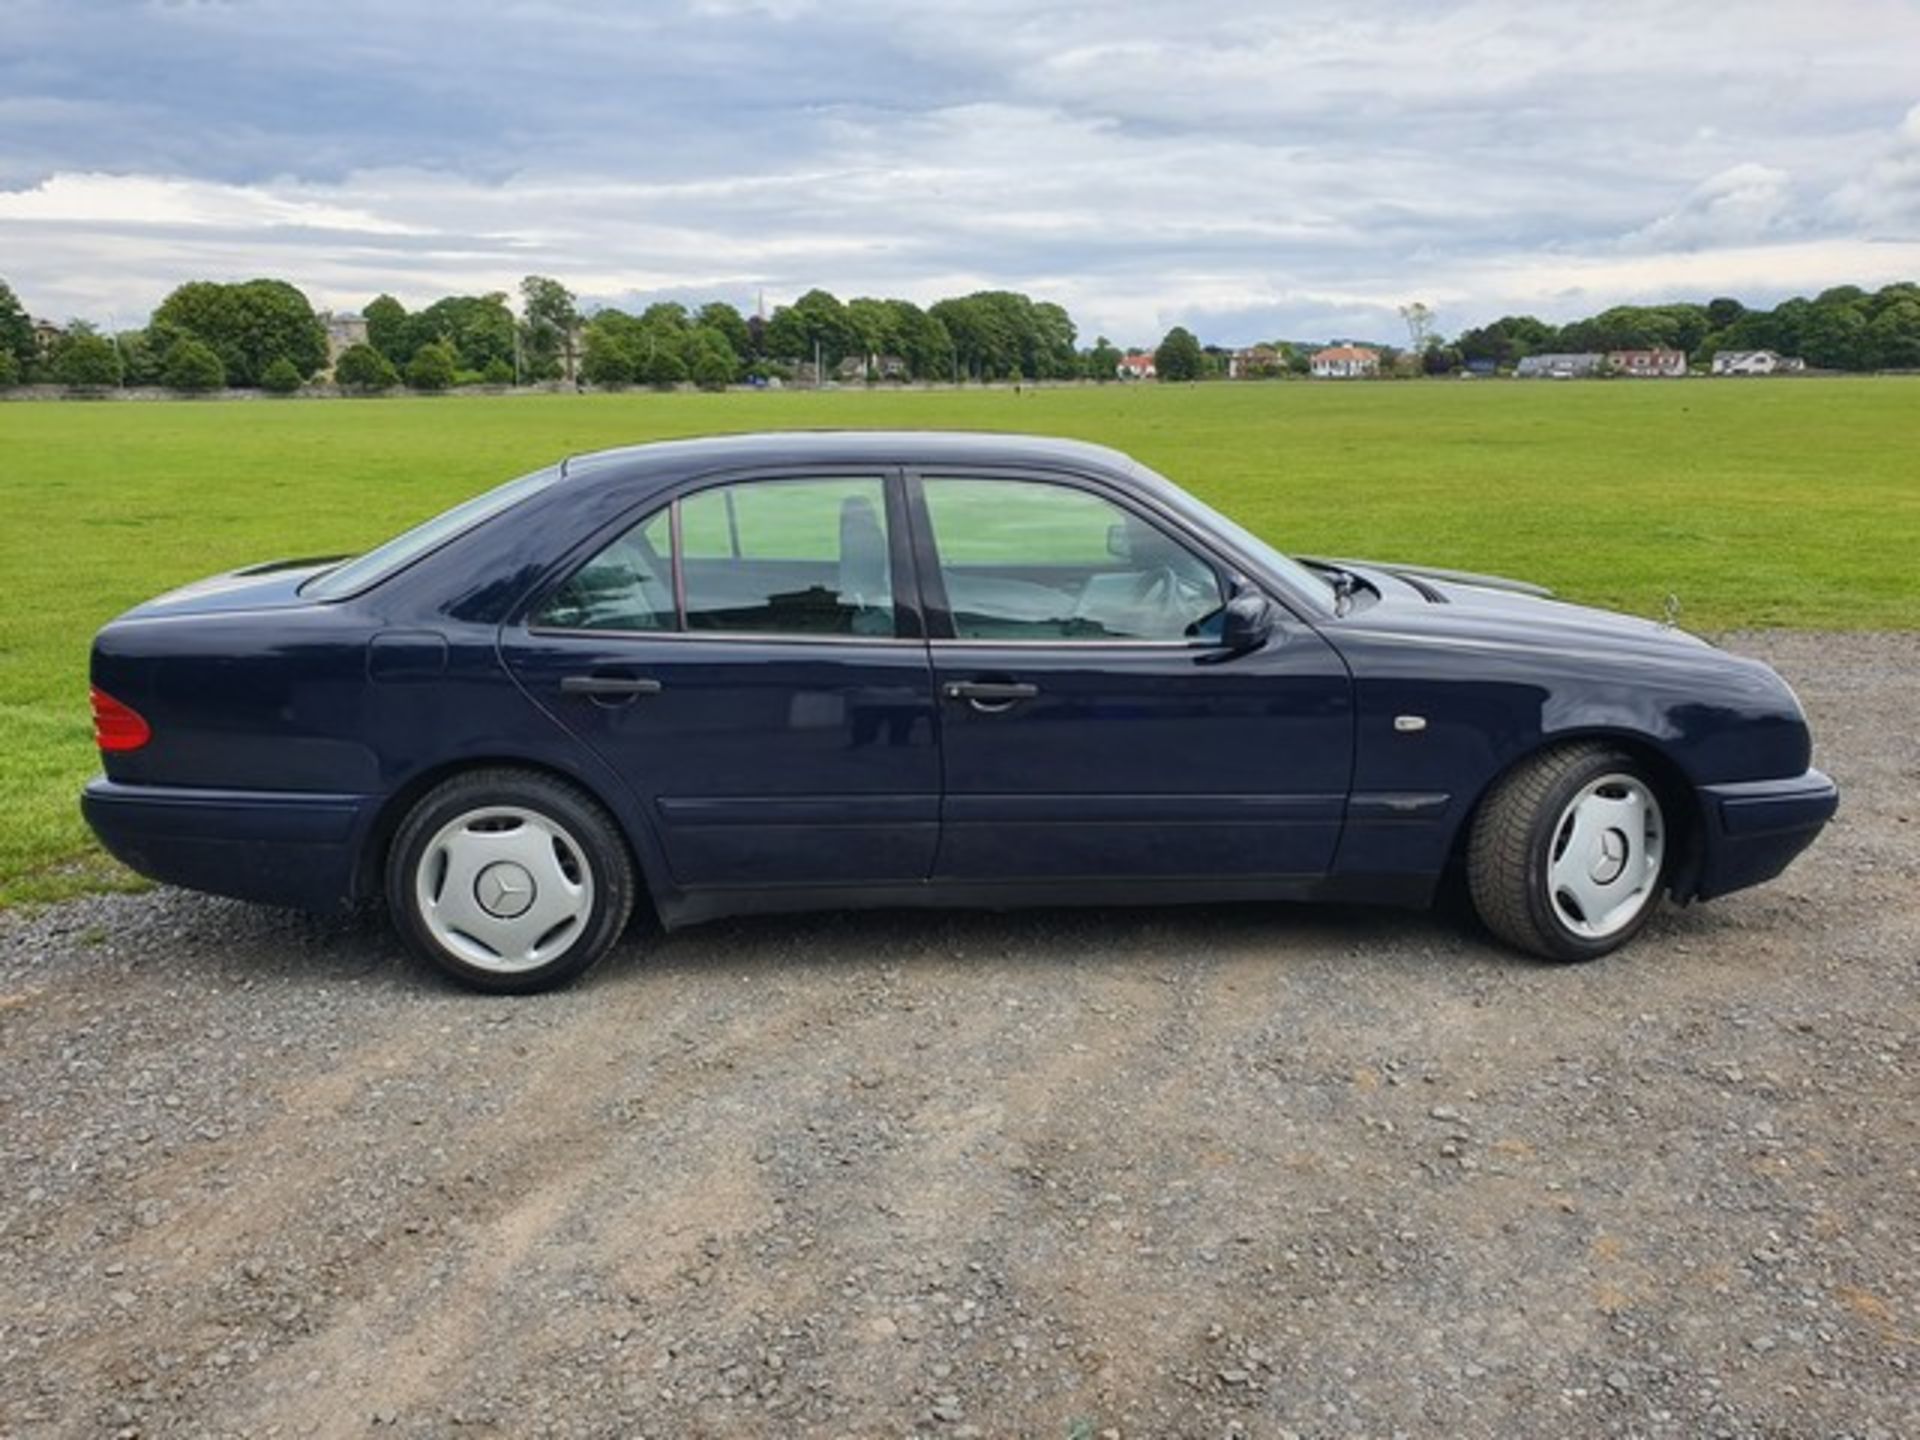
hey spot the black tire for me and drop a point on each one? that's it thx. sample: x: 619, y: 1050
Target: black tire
x: 1510, y: 849
x: 590, y: 844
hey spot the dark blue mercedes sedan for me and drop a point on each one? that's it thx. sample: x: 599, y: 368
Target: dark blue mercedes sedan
x: 790, y: 671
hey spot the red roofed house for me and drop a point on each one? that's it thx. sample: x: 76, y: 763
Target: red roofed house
x: 1648, y: 362
x: 1345, y: 362
x: 1136, y: 365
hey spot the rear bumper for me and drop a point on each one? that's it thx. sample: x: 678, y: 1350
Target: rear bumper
x: 276, y: 847
x: 1755, y: 828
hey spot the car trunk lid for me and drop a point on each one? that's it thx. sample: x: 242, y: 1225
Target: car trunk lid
x: 273, y: 585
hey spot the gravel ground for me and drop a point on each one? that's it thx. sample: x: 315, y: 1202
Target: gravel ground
x: 1248, y: 1171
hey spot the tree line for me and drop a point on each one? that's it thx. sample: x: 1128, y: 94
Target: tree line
x: 1844, y: 328
x: 265, y: 334
x: 990, y: 335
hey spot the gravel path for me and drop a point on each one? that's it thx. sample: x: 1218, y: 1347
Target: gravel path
x: 1248, y: 1171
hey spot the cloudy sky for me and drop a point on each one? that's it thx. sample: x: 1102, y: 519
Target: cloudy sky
x: 1250, y: 170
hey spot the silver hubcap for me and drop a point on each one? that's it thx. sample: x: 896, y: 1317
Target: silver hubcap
x: 504, y: 888
x: 1604, y: 868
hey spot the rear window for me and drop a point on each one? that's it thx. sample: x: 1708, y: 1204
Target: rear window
x: 352, y: 576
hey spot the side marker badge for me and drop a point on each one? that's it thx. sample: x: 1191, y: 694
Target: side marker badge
x: 1409, y: 724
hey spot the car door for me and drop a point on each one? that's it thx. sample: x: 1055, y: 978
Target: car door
x: 1092, y: 725
x: 738, y: 655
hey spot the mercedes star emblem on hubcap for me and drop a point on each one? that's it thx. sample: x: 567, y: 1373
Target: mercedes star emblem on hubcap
x: 1609, y: 857
x: 504, y: 890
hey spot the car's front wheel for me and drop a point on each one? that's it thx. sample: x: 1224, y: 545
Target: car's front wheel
x: 509, y: 880
x: 1568, y: 854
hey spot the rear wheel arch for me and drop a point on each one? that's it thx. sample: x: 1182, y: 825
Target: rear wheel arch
x: 510, y: 880
x: 371, y: 864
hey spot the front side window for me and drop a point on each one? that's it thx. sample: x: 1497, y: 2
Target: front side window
x: 1029, y: 560
x: 762, y: 557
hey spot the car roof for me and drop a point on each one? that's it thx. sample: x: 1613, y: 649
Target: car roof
x: 831, y: 447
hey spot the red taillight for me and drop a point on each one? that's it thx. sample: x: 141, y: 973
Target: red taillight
x: 117, y: 726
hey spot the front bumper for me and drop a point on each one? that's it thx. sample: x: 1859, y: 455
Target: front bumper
x: 1755, y: 828
x: 277, y: 847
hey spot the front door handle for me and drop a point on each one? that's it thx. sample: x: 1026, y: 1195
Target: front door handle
x: 989, y: 697
x: 608, y: 687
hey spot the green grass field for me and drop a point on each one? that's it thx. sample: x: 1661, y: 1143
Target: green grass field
x: 1758, y: 503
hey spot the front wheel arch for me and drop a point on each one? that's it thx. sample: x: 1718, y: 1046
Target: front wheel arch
x: 1567, y: 858
x: 1678, y: 798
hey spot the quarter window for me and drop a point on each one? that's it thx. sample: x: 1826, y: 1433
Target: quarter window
x: 627, y: 586
x: 1029, y: 560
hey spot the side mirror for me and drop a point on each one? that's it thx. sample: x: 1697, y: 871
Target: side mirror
x: 1248, y: 623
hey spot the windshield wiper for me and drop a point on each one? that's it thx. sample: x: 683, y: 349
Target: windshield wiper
x: 1345, y: 583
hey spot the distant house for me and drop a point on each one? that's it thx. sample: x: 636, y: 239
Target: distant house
x: 1756, y: 362
x: 1345, y: 362
x: 856, y: 368
x: 1136, y: 365
x: 1559, y: 367
x: 1254, y: 360
x: 46, y: 335
x: 1648, y: 364
x: 343, y: 333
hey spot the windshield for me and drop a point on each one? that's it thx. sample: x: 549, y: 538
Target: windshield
x: 377, y: 564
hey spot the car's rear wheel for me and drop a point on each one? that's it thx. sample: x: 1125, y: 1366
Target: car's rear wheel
x: 1568, y: 855
x: 509, y: 880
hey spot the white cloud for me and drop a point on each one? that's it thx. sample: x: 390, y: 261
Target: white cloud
x: 1565, y: 285
x: 1297, y: 170
x: 1742, y: 203
x: 1885, y: 200
x: 161, y: 201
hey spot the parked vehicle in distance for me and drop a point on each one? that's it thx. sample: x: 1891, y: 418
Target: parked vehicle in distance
x: 836, y: 669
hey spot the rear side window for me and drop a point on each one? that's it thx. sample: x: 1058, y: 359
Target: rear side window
x: 804, y: 556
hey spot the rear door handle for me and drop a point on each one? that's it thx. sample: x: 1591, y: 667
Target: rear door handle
x: 989, y: 696
x: 610, y: 687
